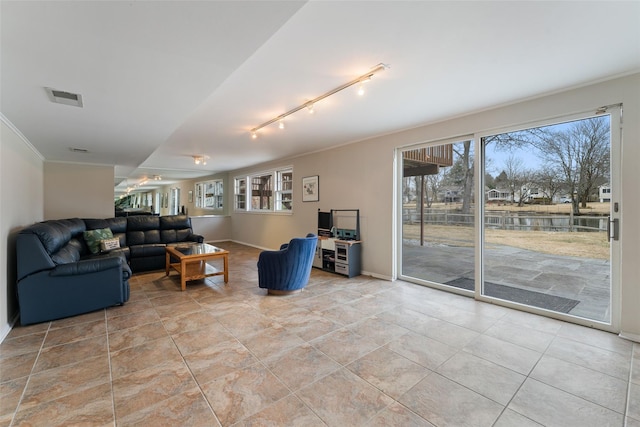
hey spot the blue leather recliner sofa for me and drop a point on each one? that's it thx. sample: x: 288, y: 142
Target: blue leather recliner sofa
x: 288, y: 269
x: 59, y: 276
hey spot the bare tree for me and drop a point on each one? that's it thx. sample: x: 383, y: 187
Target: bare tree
x: 577, y: 151
x: 409, y: 189
x: 581, y: 152
x: 592, y: 140
x: 433, y: 184
x: 519, y: 179
x: 550, y: 181
x: 462, y: 170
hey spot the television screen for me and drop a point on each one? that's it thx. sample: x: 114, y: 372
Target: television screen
x: 324, y: 221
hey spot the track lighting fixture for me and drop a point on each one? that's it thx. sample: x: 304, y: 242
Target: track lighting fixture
x: 310, y: 104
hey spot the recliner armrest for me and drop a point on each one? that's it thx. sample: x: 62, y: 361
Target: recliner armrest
x: 195, y: 238
x: 91, y: 266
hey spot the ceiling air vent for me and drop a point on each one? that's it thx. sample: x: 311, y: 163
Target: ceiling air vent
x: 78, y: 150
x: 62, y: 97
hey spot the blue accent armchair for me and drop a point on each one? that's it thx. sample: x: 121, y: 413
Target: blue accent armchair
x: 288, y: 269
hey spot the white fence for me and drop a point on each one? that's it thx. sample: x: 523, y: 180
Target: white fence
x: 506, y: 220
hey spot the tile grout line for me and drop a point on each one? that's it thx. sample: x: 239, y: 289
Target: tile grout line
x: 113, y: 396
x: 528, y: 376
x: 202, y: 393
x: 26, y: 385
x: 628, y: 396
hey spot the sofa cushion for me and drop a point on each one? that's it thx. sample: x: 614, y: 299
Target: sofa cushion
x: 143, y: 229
x: 174, y: 222
x: 135, y: 238
x: 95, y: 223
x: 140, y: 251
x: 52, y: 236
x: 93, y: 238
x: 67, y: 254
x: 117, y: 225
x: 143, y: 223
x: 75, y: 225
x: 79, y: 243
x: 174, y: 236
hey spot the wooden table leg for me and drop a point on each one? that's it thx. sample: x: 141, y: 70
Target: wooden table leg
x: 183, y: 274
x: 167, y: 264
x: 226, y: 268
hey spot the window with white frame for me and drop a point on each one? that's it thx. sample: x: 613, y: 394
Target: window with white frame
x: 210, y: 194
x: 240, y: 194
x: 284, y: 190
x: 261, y: 192
x: 270, y: 191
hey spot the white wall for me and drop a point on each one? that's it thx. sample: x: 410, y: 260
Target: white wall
x: 21, y: 204
x: 74, y: 190
x: 360, y: 176
x: 214, y: 228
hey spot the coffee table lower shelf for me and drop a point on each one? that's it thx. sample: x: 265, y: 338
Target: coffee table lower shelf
x: 197, y: 270
x: 195, y: 267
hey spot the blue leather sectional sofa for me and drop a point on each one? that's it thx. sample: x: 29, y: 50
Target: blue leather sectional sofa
x: 59, y: 276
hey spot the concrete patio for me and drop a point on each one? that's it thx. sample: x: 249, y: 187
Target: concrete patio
x: 582, y: 279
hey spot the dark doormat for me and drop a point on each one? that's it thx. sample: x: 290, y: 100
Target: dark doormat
x: 522, y: 296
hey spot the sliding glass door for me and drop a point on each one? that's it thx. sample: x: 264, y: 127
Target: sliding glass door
x: 542, y: 203
x: 547, y: 214
x: 438, y: 222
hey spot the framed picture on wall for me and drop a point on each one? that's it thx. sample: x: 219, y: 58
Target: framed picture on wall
x: 166, y: 200
x: 310, y: 188
x: 190, y: 197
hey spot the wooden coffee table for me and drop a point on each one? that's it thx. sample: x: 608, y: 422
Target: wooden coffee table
x: 192, y: 262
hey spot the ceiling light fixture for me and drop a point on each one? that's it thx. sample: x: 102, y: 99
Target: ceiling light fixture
x: 310, y: 104
x: 200, y: 160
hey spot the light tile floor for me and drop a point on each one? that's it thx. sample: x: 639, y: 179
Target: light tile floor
x: 345, y: 352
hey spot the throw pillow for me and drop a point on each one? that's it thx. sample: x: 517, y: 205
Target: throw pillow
x: 93, y: 237
x: 107, y: 245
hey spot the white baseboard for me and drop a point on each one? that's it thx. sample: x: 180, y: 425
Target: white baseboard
x: 629, y: 336
x: 252, y: 245
x: 377, y: 276
x: 6, y: 328
x: 364, y: 273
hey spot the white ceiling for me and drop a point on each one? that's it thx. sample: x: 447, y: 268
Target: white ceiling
x: 163, y: 81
